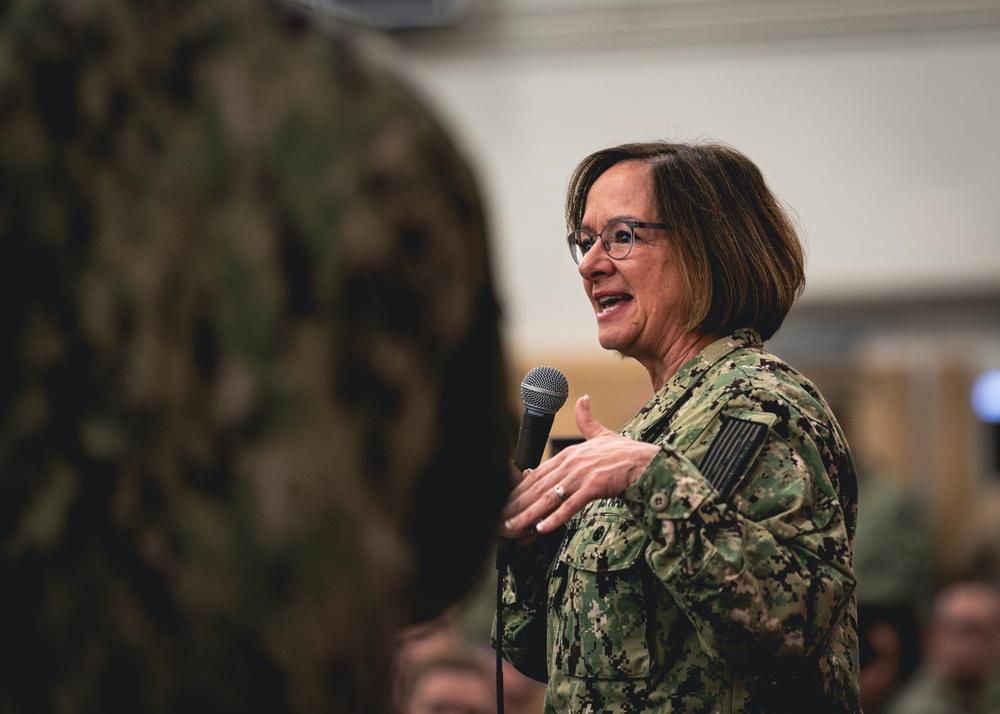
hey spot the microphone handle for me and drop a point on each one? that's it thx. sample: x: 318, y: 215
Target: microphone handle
x: 531, y: 438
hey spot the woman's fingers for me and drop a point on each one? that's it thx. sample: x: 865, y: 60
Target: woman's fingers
x: 517, y: 476
x: 534, y: 501
x: 553, y: 489
x: 540, y: 499
x: 548, y: 506
x: 585, y: 421
x: 547, y: 497
x: 566, y: 509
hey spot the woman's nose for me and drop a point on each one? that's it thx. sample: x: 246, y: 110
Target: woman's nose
x: 595, y: 261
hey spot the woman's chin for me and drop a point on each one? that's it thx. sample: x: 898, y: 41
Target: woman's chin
x: 613, y: 342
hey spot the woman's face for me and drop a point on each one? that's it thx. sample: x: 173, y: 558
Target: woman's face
x: 639, y: 300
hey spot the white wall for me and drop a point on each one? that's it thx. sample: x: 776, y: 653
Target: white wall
x: 887, y: 149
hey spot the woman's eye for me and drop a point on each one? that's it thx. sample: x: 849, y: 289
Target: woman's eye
x: 622, y: 235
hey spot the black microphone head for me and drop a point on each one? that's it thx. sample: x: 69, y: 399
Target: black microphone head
x: 544, y: 389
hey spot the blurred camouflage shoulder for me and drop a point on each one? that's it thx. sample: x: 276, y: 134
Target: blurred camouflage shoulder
x: 892, y: 545
x: 248, y: 319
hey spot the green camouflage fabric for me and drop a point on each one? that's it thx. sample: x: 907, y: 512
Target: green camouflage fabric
x: 671, y: 598
x: 893, y: 545
x: 246, y: 312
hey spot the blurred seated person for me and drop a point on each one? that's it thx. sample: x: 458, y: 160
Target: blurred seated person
x: 521, y: 694
x: 427, y: 640
x: 889, y: 640
x: 452, y: 632
x: 961, y: 655
x: 892, y: 558
x: 451, y: 682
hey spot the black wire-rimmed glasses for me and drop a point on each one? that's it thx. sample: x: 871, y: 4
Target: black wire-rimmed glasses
x: 617, y: 237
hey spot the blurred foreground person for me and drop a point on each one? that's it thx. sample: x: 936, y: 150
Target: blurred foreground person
x: 245, y: 300
x: 700, y: 559
x: 960, y: 670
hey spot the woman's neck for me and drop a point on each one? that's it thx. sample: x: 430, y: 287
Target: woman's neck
x: 679, y: 353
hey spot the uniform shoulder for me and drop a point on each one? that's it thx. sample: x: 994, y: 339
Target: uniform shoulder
x: 766, y: 379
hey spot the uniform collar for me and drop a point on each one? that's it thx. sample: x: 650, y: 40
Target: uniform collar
x: 669, y: 398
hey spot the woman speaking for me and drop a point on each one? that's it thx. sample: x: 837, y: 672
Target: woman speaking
x: 699, y: 560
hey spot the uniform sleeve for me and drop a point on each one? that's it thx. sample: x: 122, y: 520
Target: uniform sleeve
x: 524, y: 606
x: 766, y: 573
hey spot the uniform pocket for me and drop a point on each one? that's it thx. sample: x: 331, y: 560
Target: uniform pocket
x: 602, y: 614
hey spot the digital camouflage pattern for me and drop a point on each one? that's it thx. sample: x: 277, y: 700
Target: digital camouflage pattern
x: 245, y: 299
x: 674, y: 598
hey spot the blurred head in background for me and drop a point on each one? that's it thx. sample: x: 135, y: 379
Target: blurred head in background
x: 447, y: 679
x: 963, y: 641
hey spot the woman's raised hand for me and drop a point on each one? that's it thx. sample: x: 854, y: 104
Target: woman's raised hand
x: 601, y: 467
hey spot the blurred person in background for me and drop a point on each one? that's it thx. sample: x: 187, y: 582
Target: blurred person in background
x: 960, y: 669
x: 424, y: 641
x: 892, y: 563
x: 700, y: 559
x: 521, y: 693
x: 245, y: 297
x: 438, y: 671
x: 889, y: 642
x: 452, y: 632
x: 456, y: 684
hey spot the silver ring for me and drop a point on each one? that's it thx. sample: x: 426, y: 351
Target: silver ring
x: 560, y: 491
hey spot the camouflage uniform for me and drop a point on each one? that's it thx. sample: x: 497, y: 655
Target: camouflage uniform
x: 244, y: 299
x: 721, y: 580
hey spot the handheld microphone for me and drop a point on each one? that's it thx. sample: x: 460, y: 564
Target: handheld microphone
x: 543, y: 391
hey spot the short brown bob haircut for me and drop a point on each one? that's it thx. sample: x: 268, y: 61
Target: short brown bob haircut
x: 736, y: 246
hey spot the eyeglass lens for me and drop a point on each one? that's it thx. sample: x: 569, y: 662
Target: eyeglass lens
x: 616, y: 239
